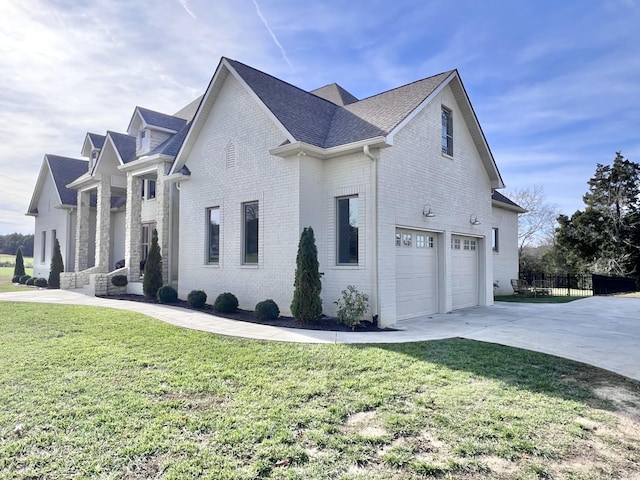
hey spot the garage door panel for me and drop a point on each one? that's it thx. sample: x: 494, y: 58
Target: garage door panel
x: 464, y: 269
x: 416, y: 274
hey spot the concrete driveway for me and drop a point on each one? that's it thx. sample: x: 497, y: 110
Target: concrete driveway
x: 601, y: 331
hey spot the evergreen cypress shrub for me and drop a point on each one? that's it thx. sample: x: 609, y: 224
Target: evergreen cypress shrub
x: 30, y: 281
x: 16, y: 278
x: 307, y: 304
x: 226, y: 303
x: 41, y: 282
x: 57, y: 266
x: 23, y: 279
x: 18, y: 270
x: 267, y: 310
x: 167, y: 294
x: 119, y: 280
x: 196, y: 299
x: 153, y: 269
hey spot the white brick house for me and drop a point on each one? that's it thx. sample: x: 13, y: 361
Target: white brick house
x: 400, y: 189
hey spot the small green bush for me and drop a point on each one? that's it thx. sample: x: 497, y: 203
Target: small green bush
x: 16, y: 278
x: 119, y: 280
x: 352, y: 306
x: 267, y: 310
x: 30, y: 281
x: 23, y: 279
x: 41, y: 282
x: 167, y: 294
x: 226, y: 303
x: 196, y: 299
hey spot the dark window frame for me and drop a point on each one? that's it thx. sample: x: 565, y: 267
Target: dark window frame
x: 347, y: 241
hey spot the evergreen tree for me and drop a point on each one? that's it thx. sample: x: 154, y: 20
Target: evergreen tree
x: 19, y: 268
x: 153, y: 269
x: 307, y: 304
x: 605, y: 235
x: 57, y: 266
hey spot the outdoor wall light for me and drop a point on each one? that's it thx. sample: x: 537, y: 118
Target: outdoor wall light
x: 473, y: 220
x: 427, y: 212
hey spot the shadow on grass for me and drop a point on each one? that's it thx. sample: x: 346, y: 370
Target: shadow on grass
x: 519, y: 368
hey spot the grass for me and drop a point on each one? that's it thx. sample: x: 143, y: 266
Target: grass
x: 108, y: 394
x: 6, y: 274
x: 11, y: 259
x: 543, y: 299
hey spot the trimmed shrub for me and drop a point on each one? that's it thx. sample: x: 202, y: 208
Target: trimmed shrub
x: 226, y: 303
x: 119, y: 280
x: 23, y: 279
x: 196, y: 299
x: 167, y: 294
x: 352, y: 306
x: 30, y: 281
x: 267, y: 310
x: 153, y: 269
x: 16, y: 278
x: 307, y: 304
x: 57, y: 266
x: 18, y: 270
x: 41, y: 282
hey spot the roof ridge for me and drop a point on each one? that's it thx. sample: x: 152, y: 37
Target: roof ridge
x: 448, y: 72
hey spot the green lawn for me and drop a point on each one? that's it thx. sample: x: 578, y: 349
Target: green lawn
x: 543, y: 299
x: 6, y: 274
x: 108, y: 394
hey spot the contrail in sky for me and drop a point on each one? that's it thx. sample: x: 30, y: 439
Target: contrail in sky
x: 273, y: 35
x: 186, y: 7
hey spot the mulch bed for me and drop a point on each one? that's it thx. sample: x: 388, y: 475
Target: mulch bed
x: 323, y: 322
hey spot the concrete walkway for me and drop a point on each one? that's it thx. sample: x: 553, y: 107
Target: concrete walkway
x: 601, y: 331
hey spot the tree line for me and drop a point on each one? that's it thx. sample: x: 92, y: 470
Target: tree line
x: 603, y: 238
x: 9, y: 244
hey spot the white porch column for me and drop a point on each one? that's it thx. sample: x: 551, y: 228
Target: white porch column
x: 163, y: 205
x: 132, y: 227
x: 103, y: 224
x: 82, y: 232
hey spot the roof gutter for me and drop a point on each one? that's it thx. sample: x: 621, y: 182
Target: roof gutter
x: 295, y: 148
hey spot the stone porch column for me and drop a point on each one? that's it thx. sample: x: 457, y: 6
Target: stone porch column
x: 103, y: 224
x: 82, y: 232
x: 132, y: 227
x: 162, y: 218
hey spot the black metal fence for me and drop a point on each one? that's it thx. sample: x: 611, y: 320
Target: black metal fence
x: 576, y: 285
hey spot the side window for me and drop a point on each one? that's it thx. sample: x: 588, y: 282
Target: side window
x: 495, y: 240
x: 43, y: 247
x: 347, y: 228
x: 447, y: 132
x: 213, y: 235
x: 251, y: 217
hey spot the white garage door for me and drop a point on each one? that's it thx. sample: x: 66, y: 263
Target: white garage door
x: 464, y: 267
x: 416, y: 274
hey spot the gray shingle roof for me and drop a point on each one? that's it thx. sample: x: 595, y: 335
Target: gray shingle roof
x: 64, y: 171
x: 172, y: 145
x: 161, y: 120
x: 335, y: 94
x: 97, y: 140
x: 498, y: 197
x: 320, y: 122
x: 125, y: 145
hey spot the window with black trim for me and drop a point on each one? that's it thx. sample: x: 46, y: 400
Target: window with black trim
x: 447, y: 132
x: 43, y: 247
x: 213, y: 235
x: 347, y: 227
x: 250, y: 215
x: 495, y: 240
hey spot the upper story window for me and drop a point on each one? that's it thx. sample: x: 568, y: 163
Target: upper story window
x: 347, y: 228
x: 144, y: 139
x: 148, y: 189
x: 447, y: 132
x: 250, y: 212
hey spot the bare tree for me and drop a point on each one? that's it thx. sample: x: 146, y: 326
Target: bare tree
x: 537, y: 226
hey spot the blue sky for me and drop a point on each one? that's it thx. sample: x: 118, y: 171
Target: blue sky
x: 555, y: 85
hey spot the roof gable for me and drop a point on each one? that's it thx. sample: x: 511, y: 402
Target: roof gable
x: 92, y: 141
x: 145, y: 118
x: 123, y: 146
x: 62, y: 171
x: 335, y: 94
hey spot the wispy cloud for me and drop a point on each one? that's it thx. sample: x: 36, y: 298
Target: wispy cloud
x: 273, y: 35
x: 185, y: 5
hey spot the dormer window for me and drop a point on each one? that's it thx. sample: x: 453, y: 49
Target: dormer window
x: 144, y: 139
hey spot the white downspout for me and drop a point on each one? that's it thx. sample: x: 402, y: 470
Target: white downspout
x: 374, y: 194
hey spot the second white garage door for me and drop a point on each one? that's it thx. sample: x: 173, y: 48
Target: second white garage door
x: 416, y: 274
x: 464, y: 268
